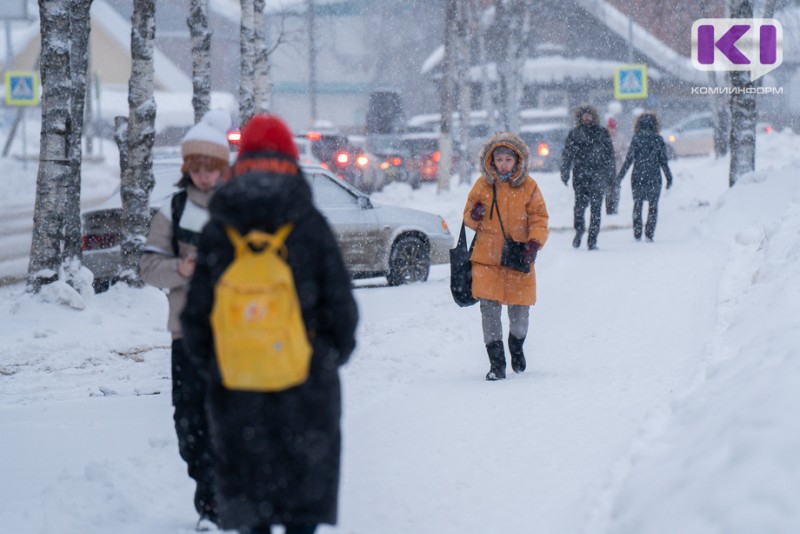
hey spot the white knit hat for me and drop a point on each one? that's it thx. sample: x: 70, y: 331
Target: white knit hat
x: 209, y: 137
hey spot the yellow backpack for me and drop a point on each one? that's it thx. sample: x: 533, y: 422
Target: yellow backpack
x: 259, y: 334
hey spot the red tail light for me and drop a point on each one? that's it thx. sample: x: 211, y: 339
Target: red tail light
x: 313, y: 136
x: 234, y: 137
x: 342, y: 159
x: 543, y: 149
x: 436, y: 156
x: 98, y: 241
x: 397, y: 161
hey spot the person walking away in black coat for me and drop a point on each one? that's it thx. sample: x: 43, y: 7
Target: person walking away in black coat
x: 276, y: 454
x: 648, y: 155
x: 589, y: 155
x: 168, y: 261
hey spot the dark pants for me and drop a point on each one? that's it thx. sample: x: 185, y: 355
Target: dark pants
x: 652, y: 218
x: 588, y: 196
x: 612, y: 198
x: 191, y: 424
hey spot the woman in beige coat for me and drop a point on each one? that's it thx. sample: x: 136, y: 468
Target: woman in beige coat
x: 505, y: 200
x: 168, y: 262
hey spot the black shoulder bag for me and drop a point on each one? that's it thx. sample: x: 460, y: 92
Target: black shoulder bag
x: 513, y: 255
x: 461, y: 271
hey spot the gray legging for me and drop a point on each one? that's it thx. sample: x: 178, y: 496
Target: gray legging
x: 493, y: 327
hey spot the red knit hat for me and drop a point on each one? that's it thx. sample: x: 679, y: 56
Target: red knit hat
x: 267, y: 133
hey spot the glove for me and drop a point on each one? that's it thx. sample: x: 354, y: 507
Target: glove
x: 669, y: 184
x: 477, y: 212
x: 531, y: 249
x: 565, y: 179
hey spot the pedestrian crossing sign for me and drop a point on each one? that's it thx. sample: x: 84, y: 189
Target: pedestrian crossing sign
x: 630, y: 81
x: 22, y: 88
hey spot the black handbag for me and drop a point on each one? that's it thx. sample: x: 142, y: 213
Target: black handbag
x: 461, y: 271
x: 513, y: 255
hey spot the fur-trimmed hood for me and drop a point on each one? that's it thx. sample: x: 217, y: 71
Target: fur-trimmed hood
x: 587, y: 108
x: 515, y: 143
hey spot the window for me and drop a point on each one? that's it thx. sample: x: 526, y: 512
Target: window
x: 328, y: 193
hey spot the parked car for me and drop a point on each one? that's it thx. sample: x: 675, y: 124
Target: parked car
x: 693, y: 136
x: 398, y: 243
x: 546, y: 143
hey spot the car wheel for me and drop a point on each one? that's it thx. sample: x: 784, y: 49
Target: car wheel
x: 409, y: 261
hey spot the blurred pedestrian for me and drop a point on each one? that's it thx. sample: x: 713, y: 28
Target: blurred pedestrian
x: 648, y: 155
x: 168, y: 262
x: 589, y: 155
x: 276, y: 454
x: 505, y: 204
x: 620, y: 143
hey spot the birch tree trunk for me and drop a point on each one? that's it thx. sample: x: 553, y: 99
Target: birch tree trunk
x: 56, y: 243
x: 743, y: 110
x: 247, y: 74
x: 201, y: 57
x: 80, y: 23
x: 261, y: 58
x: 54, y: 164
x: 137, y: 181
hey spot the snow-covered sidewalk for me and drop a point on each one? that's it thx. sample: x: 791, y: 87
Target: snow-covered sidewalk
x: 654, y: 401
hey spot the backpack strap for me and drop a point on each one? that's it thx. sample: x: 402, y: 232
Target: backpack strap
x: 177, y: 205
x: 256, y: 240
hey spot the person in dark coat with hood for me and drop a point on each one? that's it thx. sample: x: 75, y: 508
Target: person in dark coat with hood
x: 589, y: 154
x: 648, y: 155
x: 277, y: 454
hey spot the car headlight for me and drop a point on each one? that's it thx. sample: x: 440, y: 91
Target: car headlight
x: 671, y: 138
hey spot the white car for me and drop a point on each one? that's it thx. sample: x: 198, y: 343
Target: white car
x: 694, y: 136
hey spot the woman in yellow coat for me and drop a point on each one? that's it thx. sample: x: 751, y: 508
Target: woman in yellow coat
x: 505, y: 200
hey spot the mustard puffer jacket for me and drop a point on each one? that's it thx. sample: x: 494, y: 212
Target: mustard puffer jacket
x: 524, y: 214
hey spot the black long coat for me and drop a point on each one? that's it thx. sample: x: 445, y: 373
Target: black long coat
x: 648, y: 155
x: 276, y: 455
x: 589, y: 153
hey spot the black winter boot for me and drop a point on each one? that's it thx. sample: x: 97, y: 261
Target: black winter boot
x: 497, y: 361
x: 518, y: 363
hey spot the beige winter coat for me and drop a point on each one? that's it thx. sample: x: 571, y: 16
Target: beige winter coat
x: 524, y: 216
x: 159, y: 265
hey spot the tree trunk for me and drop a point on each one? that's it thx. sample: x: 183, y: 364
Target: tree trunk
x: 201, y: 57
x: 137, y: 181
x: 487, y: 88
x: 79, y: 59
x: 54, y: 165
x: 743, y: 111
x: 247, y: 100
x: 261, y: 59
x: 464, y: 96
x: 312, y: 60
x: 445, y: 130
